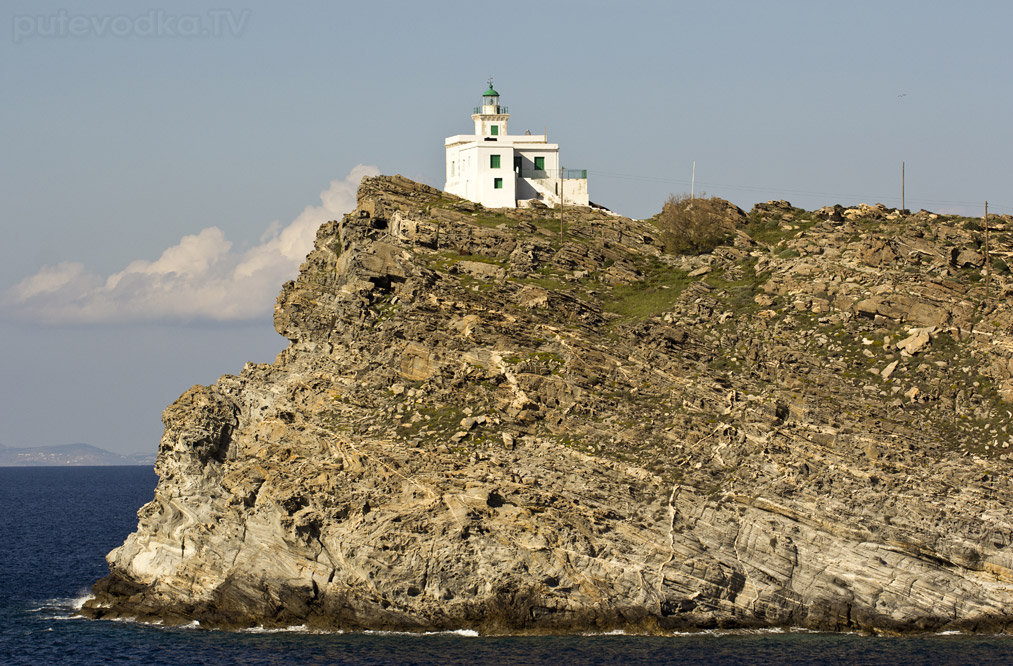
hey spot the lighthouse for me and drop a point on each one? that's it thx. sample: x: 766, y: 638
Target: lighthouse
x: 500, y: 170
x: 491, y: 118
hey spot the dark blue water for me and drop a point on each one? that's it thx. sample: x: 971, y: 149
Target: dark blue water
x: 57, y: 524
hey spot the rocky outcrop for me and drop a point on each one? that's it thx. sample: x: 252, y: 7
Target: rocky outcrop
x: 481, y: 422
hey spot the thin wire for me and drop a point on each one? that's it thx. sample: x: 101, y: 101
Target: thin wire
x: 776, y: 190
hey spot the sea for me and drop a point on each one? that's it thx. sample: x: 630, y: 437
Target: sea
x: 58, y: 523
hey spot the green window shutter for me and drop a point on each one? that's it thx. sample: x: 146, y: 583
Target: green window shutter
x: 539, y: 164
x: 494, y: 161
x: 494, y: 130
x: 497, y: 183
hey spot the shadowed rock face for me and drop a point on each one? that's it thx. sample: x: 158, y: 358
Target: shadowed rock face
x: 478, y: 426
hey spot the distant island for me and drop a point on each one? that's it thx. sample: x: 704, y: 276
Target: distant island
x: 69, y: 455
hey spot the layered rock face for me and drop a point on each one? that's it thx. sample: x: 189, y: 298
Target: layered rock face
x: 483, y: 423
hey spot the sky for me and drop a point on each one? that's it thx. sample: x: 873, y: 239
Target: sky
x: 163, y: 167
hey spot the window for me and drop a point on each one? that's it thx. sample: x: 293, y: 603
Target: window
x: 494, y: 130
x: 539, y: 164
x: 497, y: 183
x: 494, y: 161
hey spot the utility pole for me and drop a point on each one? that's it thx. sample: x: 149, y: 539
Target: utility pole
x: 903, y: 203
x: 692, y: 183
x: 988, y: 261
x: 562, y: 179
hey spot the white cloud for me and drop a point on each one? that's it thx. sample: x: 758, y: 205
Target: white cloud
x: 201, y: 277
x: 51, y: 279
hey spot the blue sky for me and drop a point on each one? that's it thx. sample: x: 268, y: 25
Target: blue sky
x: 163, y: 165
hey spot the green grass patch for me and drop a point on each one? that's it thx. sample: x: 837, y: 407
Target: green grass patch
x: 492, y: 221
x: 443, y: 261
x: 547, y: 283
x: 770, y: 232
x: 438, y: 422
x: 656, y: 293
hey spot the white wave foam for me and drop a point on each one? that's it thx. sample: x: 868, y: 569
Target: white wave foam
x: 762, y: 631
x: 61, y: 608
x: 79, y: 602
x: 295, y: 629
x: 467, y: 633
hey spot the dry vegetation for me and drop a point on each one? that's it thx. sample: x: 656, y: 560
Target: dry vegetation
x: 694, y: 225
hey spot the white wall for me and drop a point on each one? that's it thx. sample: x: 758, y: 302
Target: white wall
x: 547, y: 189
x: 549, y: 151
x: 483, y: 124
x: 575, y: 192
x: 485, y: 175
x: 456, y: 176
x: 473, y: 178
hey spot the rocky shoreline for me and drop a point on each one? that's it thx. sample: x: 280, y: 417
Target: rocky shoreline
x: 484, y: 423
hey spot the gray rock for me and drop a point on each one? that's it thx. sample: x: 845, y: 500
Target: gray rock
x: 630, y: 450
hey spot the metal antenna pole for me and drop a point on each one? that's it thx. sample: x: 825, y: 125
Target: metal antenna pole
x: 562, y: 179
x: 903, y: 203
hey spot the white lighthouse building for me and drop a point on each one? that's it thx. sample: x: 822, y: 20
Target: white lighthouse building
x: 501, y: 170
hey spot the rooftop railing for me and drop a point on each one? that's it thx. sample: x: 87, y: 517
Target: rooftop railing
x: 499, y: 110
x: 566, y: 174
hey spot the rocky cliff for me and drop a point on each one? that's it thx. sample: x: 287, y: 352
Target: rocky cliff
x: 483, y: 423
